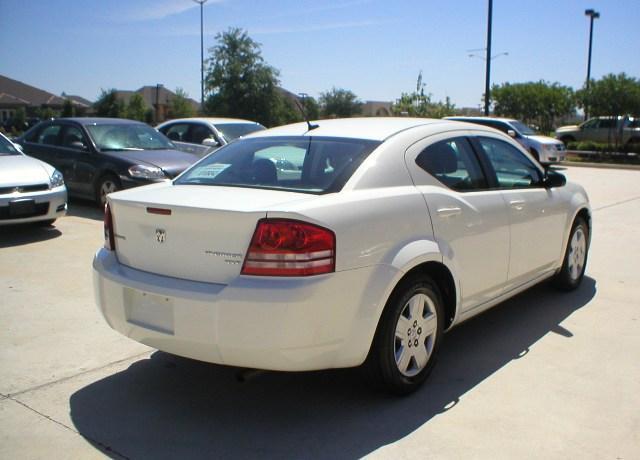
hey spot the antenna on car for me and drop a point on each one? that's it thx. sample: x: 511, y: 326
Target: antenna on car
x: 304, y: 112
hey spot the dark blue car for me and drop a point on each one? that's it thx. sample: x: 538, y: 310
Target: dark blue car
x: 98, y: 156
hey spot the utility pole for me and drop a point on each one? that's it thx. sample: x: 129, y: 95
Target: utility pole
x: 201, y: 2
x: 593, y: 14
x: 487, y: 82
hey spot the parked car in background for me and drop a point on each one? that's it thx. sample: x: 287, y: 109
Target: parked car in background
x: 391, y: 231
x: 609, y: 130
x: 203, y: 135
x: 30, y: 190
x: 98, y: 156
x: 543, y: 148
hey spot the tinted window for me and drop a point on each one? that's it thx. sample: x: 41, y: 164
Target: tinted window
x: 48, y: 135
x: 607, y: 123
x: 304, y: 164
x: 513, y: 169
x: 200, y: 132
x: 454, y: 164
x: 73, y: 138
x: 134, y: 136
x: 522, y: 128
x: 177, y: 132
x: 591, y: 124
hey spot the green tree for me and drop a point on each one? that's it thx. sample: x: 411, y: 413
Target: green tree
x: 539, y: 103
x: 239, y: 83
x: 136, y: 109
x: 179, y: 106
x: 340, y: 103
x: 419, y: 104
x: 311, y: 107
x: 611, y: 95
x: 68, y: 110
x: 108, y: 105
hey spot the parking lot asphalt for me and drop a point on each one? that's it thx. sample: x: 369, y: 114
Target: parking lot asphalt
x: 544, y: 375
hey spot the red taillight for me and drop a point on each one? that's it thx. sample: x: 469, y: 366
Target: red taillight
x: 283, y: 247
x: 109, y: 236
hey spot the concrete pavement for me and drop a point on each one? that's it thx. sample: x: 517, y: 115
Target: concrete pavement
x: 544, y: 375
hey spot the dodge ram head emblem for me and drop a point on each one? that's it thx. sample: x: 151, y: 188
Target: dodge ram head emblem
x: 161, y: 235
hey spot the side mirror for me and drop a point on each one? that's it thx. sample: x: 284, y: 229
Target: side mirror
x: 554, y: 179
x: 78, y: 146
x: 210, y: 142
x: 512, y: 133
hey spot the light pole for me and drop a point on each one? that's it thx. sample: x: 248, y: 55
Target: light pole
x: 201, y: 2
x: 593, y: 14
x: 487, y: 81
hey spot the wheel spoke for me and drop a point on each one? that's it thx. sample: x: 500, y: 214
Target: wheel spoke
x: 404, y: 359
x: 430, y: 324
x: 421, y: 356
x: 402, y: 328
x: 416, y: 307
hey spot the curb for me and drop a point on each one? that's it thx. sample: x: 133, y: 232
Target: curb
x: 582, y: 164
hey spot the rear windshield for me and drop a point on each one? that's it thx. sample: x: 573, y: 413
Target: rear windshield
x: 129, y: 136
x: 301, y: 164
x: 232, y: 131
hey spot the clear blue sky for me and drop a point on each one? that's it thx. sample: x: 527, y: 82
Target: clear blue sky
x: 373, y: 47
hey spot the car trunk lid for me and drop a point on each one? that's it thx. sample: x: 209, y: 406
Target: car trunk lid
x: 199, y: 233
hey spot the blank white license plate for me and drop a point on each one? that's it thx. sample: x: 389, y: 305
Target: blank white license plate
x: 149, y: 310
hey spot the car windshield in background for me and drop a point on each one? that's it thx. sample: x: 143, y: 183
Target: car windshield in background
x: 301, y: 164
x: 7, y: 148
x: 522, y: 128
x: 128, y: 137
x: 232, y: 131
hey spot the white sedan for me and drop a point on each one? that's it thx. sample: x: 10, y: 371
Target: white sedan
x: 30, y: 190
x: 382, y: 234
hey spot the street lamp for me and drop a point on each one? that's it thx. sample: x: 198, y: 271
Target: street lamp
x: 593, y: 14
x: 487, y: 80
x: 201, y: 2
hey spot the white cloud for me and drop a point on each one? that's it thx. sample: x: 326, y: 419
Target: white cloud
x: 160, y: 9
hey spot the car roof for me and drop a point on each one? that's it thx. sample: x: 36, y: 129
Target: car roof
x: 372, y: 128
x: 213, y: 120
x: 100, y: 121
x: 462, y: 118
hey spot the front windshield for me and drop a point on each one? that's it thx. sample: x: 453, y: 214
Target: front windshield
x: 7, y: 148
x: 129, y: 136
x: 231, y: 131
x: 522, y: 128
x: 296, y: 163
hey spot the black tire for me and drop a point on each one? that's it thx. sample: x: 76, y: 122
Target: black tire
x: 108, y: 183
x: 389, y: 352
x: 570, y: 275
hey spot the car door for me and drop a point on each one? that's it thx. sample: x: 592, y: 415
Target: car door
x: 469, y: 221
x: 77, y: 162
x: 536, y: 214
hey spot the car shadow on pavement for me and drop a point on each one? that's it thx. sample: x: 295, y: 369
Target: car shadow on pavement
x: 171, y: 407
x: 85, y: 209
x: 18, y: 235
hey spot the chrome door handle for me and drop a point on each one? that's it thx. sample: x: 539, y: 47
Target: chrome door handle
x: 449, y: 212
x: 518, y: 205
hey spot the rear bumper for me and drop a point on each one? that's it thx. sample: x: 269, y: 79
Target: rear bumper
x: 288, y: 324
x: 50, y: 204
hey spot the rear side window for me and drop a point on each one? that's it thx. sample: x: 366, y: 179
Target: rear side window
x: 303, y: 164
x: 48, y: 135
x: 454, y: 164
x: 513, y: 169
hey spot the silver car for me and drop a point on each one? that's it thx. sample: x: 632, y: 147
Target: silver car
x: 30, y: 190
